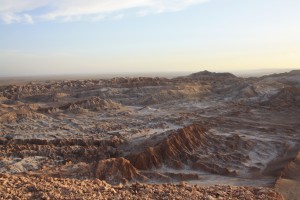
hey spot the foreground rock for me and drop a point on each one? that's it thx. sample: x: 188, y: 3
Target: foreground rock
x: 289, y: 182
x: 191, y: 146
x: 28, y: 187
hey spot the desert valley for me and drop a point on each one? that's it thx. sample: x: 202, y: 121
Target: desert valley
x: 202, y: 136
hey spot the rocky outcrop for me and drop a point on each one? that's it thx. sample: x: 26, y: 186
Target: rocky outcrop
x: 116, y: 170
x: 172, y: 151
x: 196, y: 148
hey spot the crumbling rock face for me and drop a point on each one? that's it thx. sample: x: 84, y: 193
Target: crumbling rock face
x: 116, y: 170
x: 172, y: 151
x: 195, y: 147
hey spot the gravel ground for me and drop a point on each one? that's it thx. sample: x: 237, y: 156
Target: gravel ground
x: 30, y: 187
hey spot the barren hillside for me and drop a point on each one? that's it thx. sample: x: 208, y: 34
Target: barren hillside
x: 206, y: 129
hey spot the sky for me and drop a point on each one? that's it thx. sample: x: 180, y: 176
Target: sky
x: 48, y: 37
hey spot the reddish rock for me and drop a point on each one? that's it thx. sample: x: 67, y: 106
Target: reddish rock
x: 116, y: 170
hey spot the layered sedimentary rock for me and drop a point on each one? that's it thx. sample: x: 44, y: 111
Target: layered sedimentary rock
x: 116, y: 170
x: 172, y: 151
x: 194, y: 147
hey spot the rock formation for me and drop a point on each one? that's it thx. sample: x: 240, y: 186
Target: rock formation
x: 116, y: 170
x: 205, y: 128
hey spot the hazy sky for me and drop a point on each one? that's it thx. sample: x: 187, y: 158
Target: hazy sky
x: 117, y: 36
